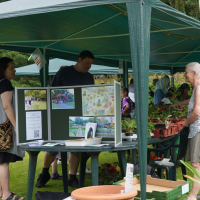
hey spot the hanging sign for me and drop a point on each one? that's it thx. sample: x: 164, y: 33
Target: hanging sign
x: 38, y: 58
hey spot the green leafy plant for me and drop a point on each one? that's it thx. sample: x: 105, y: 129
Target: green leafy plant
x: 129, y: 125
x: 164, y: 113
x: 109, y: 174
x: 193, y: 170
x: 151, y: 126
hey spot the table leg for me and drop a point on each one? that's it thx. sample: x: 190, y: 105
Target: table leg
x: 64, y: 171
x: 122, y: 162
x: 31, y: 173
x: 133, y: 153
x: 95, y: 167
x: 83, y: 159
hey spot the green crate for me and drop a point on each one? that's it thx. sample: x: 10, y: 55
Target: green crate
x: 174, y: 194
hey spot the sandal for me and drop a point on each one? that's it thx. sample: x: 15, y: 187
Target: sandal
x: 13, y: 197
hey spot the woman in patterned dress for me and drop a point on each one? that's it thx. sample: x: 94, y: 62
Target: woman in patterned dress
x: 7, y: 111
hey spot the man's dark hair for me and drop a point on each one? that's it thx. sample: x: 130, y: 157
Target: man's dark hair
x: 131, y: 81
x: 86, y: 54
x: 124, y: 89
x: 4, y: 65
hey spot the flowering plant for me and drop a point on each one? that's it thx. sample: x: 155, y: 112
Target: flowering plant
x: 153, y: 157
x: 109, y: 173
x: 164, y: 112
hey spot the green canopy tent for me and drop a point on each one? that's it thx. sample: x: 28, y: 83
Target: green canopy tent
x: 141, y: 33
x: 56, y: 63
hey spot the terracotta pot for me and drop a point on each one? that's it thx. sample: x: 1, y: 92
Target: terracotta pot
x: 103, y: 192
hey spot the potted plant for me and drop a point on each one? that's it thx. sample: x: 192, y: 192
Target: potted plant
x: 129, y: 126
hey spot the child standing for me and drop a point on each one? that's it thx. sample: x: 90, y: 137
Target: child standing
x: 127, y: 104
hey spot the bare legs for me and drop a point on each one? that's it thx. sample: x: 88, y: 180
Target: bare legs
x: 4, y: 180
x: 73, y: 164
x: 195, y: 186
x: 54, y: 166
x: 48, y: 159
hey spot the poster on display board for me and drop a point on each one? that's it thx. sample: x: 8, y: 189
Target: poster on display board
x: 58, y: 123
x: 98, y: 101
x: 31, y: 114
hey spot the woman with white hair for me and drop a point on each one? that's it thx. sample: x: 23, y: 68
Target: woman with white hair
x: 161, y: 89
x: 192, y: 75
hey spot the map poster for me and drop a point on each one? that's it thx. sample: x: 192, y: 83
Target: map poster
x: 98, y: 101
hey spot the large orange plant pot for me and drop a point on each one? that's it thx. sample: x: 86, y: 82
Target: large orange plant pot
x: 103, y: 192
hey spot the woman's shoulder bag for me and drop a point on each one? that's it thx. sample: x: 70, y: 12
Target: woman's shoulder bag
x: 6, y: 139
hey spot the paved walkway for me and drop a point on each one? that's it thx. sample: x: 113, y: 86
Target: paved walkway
x: 66, y: 106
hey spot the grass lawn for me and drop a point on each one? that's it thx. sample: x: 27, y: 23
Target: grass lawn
x: 39, y: 105
x: 70, y: 103
x: 19, y: 174
x: 55, y: 105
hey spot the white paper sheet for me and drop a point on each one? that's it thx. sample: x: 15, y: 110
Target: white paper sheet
x: 129, y: 177
x: 33, y: 125
x: 185, y: 188
x: 90, y: 129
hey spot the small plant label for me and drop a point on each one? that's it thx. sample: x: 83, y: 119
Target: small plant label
x: 185, y: 188
x: 129, y: 177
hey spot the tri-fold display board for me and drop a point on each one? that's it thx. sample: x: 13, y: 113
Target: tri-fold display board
x: 61, y: 113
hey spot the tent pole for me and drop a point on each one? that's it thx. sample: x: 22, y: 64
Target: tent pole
x: 44, y: 71
x: 125, y: 74
x: 172, y: 78
x: 139, y: 19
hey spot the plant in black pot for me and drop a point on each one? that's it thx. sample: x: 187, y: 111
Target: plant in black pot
x: 129, y: 126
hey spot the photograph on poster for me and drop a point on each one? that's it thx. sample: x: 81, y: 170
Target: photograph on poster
x: 35, y: 99
x: 77, y: 126
x: 62, y: 99
x: 98, y: 101
x: 105, y: 126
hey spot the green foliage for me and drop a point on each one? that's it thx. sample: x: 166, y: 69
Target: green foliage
x: 129, y: 124
x: 163, y: 113
x: 26, y: 82
x: 189, y: 7
x: 36, y: 93
x: 151, y: 127
x: 193, y: 170
x: 70, y: 96
x: 19, y: 58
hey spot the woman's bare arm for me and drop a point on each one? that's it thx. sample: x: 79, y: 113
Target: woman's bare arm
x: 196, y: 111
x: 6, y: 98
x: 185, y: 102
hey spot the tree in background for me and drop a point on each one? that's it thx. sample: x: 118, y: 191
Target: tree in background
x: 189, y: 7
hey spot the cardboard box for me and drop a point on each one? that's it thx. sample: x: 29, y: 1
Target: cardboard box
x: 160, y: 188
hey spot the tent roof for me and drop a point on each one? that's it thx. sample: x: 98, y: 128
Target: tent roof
x: 56, y: 63
x: 103, y: 29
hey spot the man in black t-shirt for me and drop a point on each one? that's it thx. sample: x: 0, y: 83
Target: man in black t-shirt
x: 69, y: 76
